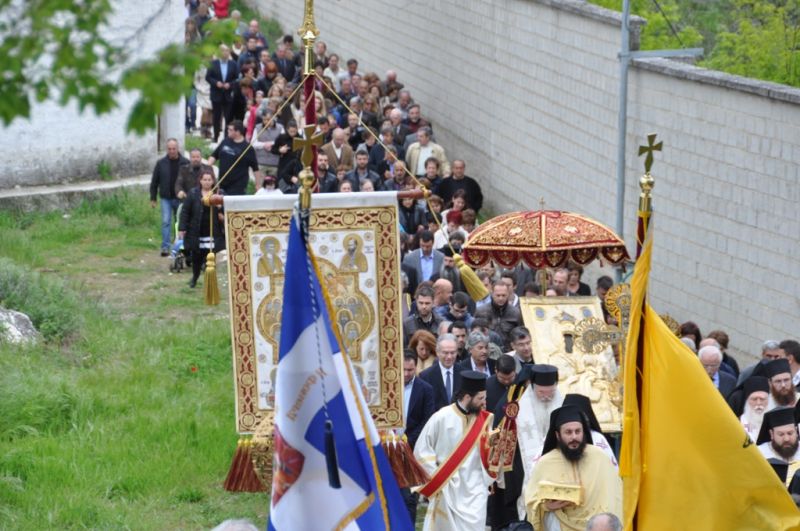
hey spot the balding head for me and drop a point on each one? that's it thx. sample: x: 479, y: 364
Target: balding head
x: 711, y: 358
x: 338, y: 137
x: 604, y: 522
x: 442, y: 290
x: 709, y: 342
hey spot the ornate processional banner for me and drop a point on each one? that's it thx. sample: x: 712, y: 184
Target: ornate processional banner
x: 586, y: 367
x: 355, y: 239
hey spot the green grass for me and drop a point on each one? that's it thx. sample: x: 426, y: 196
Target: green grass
x: 122, y: 418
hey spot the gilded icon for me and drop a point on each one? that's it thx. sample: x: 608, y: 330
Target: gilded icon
x: 270, y: 262
x: 354, y: 259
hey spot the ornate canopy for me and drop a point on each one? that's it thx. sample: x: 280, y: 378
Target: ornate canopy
x: 542, y: 238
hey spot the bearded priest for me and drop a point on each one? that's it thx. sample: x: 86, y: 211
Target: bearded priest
x: 449, y: 448
x: 573, y: 480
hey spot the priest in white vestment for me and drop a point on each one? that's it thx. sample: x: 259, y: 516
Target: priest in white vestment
x: 536, y: 404
x: 782, y: 391
x: 451, y: 438
x: 573, y: 480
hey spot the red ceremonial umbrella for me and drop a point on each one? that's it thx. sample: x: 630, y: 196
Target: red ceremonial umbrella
x: 542, y: 238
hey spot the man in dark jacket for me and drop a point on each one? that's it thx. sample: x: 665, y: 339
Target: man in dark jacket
x: 162, y: 184
x: 221, y: 76
x: 502, y: 316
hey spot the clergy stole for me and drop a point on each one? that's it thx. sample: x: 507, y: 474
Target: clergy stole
x: 591, y: 485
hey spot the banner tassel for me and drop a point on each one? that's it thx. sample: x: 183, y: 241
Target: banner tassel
x: 471, y: 282
x: 212, y: 290
x: 330, y: 457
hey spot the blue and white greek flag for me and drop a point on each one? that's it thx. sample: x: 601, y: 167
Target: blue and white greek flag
x: 312, y: 372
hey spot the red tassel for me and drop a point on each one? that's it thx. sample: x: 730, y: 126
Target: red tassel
x: 242, y: 475
x: 414, y: 473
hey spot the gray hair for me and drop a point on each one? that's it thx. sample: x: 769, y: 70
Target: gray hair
x: 236, y: 525
x: 689, y: 343
x: 476, y: 338
x: 710, y: 349
x: 770, y: 344
x: 604, y: 522
x: 425, y: 130
x: 445, y: 337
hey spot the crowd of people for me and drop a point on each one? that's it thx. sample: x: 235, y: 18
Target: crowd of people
x: 377, y: 141
x: 461, y: 356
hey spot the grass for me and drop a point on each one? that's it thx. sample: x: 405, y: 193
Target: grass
x: 123, y: 416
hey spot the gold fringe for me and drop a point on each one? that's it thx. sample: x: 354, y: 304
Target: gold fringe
x: 471, y: 282
x: 212, y: 290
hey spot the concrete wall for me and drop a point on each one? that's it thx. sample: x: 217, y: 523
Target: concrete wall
x: 59, y: 144
x: 527, y: 93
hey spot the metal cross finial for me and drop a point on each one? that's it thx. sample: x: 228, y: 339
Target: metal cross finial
x: 309, y: 28
x: 649, y: 148
x: 311, y: 139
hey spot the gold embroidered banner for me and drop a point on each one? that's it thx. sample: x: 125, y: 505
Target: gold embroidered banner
x: 355, y: 238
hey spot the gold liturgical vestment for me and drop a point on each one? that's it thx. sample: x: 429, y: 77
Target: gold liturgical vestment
x: 461, y: 503
x: 591, y: 484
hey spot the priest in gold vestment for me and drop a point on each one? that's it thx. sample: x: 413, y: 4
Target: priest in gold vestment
x: 449, y: 449
x: 573, y: 480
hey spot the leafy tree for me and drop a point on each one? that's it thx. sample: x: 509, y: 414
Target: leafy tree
x: 57, y: 48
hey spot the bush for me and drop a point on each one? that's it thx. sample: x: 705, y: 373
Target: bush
x: 52, y: 306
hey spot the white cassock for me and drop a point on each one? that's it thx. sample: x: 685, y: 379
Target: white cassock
x: 460, y: 505
x: 751, y: 429
x: 531, y: 434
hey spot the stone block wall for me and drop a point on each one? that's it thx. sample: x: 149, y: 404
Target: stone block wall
x: 526, y: 92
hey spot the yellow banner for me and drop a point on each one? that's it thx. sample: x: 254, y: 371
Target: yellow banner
x: 686, y: 462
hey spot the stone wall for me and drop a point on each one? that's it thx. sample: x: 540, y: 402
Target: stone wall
x: 59, y: 144
x: 527, y: 93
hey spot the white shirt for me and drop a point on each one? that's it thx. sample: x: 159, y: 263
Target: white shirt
x: 407, y: 399
x: 425, y: 152
x: 485, y: 368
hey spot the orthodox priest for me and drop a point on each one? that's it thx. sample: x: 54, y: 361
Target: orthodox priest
x: 756, y: 397
x: 597, y: 437
x: 535, y: 398
x: 449, y: 448
x: 778, y: 437
x: 573, y: 480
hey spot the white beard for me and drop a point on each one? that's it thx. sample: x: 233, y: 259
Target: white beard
x: 542, y: 410
x: 751, y: 419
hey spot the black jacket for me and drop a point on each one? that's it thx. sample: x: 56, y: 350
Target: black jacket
x: 433, y: 375
x: 214, y: 74
x: 162, y: 183
x: 420, y: 409
x: 195, y: 221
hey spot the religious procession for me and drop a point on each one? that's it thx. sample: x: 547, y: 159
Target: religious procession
x: 404, y: 357
x: 473, y: 381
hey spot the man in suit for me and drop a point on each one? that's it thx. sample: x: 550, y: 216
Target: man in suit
x: 338, y: 150
x: 478, y: 360
x: 711, y: 358
x: 221, y: 76
x: 399, y: 129
x: 417, y: 409
x: 497, y: 384
x: 425, y: 260
x: 285, y: 62
x: 417, y: 399
x: 443, y: 375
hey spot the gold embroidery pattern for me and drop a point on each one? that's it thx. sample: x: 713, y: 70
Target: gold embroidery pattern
x: 241, y: 226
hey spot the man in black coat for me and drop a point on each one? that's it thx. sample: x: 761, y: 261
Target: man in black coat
x: 162, y: 184
x: 443, y: 375
x: 478, y: 360
x: 417, y: 409
x: 221, y: 76
x: 497, y: 384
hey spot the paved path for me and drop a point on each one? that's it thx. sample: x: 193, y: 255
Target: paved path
x: 62, y: 196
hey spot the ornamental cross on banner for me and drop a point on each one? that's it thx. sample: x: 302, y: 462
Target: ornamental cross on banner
x: 311, y: 139
x: 649, y: 148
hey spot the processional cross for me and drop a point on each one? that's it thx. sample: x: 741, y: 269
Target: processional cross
x: 306, y: 144
x: 649, y: 148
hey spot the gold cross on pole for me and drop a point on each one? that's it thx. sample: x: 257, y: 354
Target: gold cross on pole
x: 649, y: 148
x: 307, y: 157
